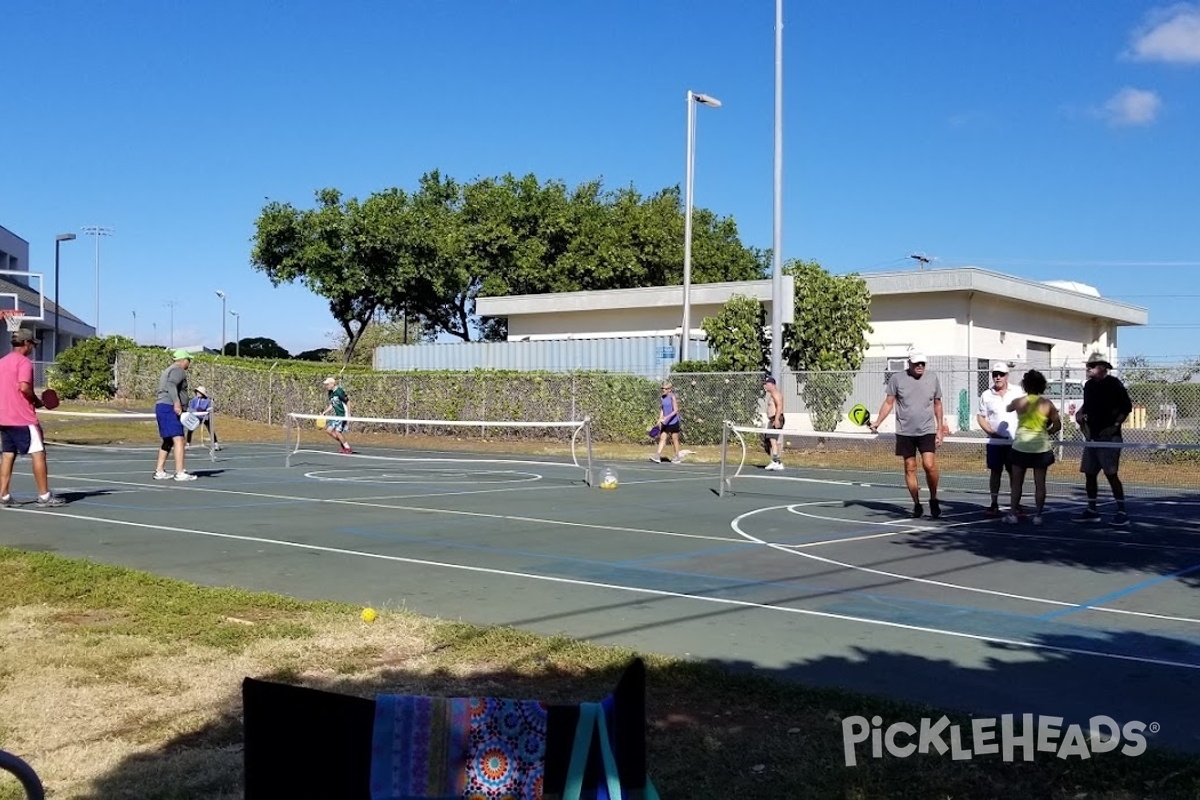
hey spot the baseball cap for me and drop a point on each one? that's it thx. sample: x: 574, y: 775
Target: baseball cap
x: 179, y: 355
x: 999, y: 366
x: 768, y: 380
x: 916, y: 357
x: 22, y: 335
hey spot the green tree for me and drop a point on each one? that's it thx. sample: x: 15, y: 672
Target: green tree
x: 828, y: 338
x: 383, y: 331
x: 256, y: 347
x: 738, y: 335
x: 319, y: 354
x: 85, y: 371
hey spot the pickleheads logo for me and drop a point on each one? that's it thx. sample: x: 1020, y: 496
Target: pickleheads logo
x: 1007, y: 736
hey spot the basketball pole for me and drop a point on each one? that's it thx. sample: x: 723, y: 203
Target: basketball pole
x: 777, y: 244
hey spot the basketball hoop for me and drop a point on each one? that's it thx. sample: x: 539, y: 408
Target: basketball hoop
x: 12, y: 319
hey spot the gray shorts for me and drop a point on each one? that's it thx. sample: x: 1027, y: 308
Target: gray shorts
x: 1101, y: 459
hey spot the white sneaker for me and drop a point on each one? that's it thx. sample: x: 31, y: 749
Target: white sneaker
x: 184, y: 476
x: 775, y: 466
x: 1037, y: 519
x: 218, y: 447
x: 1010, y: 519
x: 162, y: 476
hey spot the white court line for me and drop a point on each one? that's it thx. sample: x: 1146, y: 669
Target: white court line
x: 512, y: 489
x: 419, y: 509
x: 736, y: 525
x: 623, y: 588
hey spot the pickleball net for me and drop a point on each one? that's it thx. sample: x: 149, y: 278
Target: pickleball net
x: 554, y: 444
x: 1148, y: 468
x: 117, y: 431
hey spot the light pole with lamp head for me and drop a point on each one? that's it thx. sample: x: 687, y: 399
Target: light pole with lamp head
x: 692, y: 99
x: 58, y: 240
x: 97, y: 231
x: 237, y: 334
x: 221, y: 295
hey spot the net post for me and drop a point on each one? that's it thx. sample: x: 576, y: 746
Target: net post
x: 212, y: 435
x: 587, y: 433
x: 287, y: 439
x: 724, y: 450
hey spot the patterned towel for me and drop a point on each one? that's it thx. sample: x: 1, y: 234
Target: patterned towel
x: 478, y: 748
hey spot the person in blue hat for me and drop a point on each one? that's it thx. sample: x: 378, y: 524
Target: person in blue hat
x: 169, y: 403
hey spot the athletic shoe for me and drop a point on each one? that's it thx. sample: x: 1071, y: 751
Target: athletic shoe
x: 7, y: 501
x: 51, y: 501
x: 677, y: 460
x: 1089, y: 515
x: 1037, y: 519
x: 218, y: 447
x: 184, y: 476
x: 162, y: 476
x: 993, y: 510
x: 1121, y: 519
x: 1010, y: 519
x: 917, y: 511
x: 935, y: 508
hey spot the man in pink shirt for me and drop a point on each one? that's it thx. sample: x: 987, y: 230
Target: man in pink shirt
x: 20, y: 433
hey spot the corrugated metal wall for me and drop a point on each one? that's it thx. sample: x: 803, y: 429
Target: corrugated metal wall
x: 650, y: 356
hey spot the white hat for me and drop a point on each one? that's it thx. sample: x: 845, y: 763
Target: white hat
x: 999, y: 366
x: 330, y: 381
x: 202, y: 390
x: 916, y: 357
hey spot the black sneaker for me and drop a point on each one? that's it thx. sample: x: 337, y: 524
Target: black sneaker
x: 935, y: 508
x: 1121, y: 519
x: 1089, y: 515
x: 917, y: 511
x: 53, y: 501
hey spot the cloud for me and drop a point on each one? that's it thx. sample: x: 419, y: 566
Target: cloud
x: 1131, y: 107
x: 1171, y: 35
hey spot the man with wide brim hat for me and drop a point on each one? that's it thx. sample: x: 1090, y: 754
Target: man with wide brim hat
x: 169, y: 404
x: 1106, y: 405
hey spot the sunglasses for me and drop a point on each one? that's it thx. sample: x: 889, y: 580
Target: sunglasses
x: 918, y: 363
x: 999, y: 374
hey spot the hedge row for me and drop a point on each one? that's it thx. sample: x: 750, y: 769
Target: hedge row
x: 622, y: 407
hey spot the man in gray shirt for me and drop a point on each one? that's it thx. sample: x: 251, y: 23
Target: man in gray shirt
x: 169, y: 403
x: 916, y: 395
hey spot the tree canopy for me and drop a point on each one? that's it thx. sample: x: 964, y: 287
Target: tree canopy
x: 427, y: 255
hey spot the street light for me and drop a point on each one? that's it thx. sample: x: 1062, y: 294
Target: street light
x: 692, y: 99
x: 58, y: 240
x: 237, y: 334
x: 97, y: 231
x: 221, y: 295
x: 777, y: 236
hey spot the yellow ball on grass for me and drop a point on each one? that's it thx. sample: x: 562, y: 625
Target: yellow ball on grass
x: 368, y: 615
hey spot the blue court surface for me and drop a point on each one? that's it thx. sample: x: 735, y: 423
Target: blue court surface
x: 801, y: 574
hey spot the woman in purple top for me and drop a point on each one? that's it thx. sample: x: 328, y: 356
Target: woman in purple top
x: 668, y: 423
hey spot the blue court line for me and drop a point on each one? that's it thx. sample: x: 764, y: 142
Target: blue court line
x: 607, y: 569
x: 1128, y: 590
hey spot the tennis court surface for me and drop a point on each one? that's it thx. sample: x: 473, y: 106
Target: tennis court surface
x: 816, y: 573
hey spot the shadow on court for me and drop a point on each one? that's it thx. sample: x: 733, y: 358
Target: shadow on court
x: 710, y: 723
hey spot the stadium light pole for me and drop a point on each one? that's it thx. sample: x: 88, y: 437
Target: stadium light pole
x: 135, y: 326
x: 58, y: 240
x: 693, y: 99
x: 97, y: 231
x: 237, y: 333
x: 171, y: 305
x: 777, y: 243
x: 221, y: 295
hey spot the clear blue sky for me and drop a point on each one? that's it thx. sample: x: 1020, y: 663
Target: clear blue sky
x: 1045, y: 140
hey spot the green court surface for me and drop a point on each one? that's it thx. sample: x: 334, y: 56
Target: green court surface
x: 810, y: 575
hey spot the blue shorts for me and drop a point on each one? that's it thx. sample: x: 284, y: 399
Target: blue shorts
x: 999, y: 456
x: 22, y: 439
x: 169, y: 425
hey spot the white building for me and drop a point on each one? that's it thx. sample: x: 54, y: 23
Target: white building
x: 28, y: 294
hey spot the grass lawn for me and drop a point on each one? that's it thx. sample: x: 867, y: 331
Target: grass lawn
x: 117, y: 683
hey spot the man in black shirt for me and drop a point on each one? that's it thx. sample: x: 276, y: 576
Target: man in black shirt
x: 1106, y: 405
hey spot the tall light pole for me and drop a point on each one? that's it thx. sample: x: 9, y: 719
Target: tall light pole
x: 221, y: 295
x: 135, y: 341
x: 154, y: 327
x: 692, y: 99
x: 97, y: 231
x: 171, y: 305
x: 777, y: 243
x: 58, y: 240
x: 237, y: 334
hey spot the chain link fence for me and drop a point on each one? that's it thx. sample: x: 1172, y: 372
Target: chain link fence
x: 1166, y: 398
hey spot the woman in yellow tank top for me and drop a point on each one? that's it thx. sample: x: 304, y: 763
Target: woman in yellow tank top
x: 1033, y: 444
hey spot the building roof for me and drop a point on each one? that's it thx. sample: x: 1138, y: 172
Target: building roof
x: 1054, y: 295
x: 645, y: 297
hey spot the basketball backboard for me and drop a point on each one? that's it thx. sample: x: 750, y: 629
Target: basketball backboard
x: 22, y: 291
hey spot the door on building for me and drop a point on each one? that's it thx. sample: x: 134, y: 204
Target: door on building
x: 1037, y: 355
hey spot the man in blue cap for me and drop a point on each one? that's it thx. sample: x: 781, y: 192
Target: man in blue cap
x: 171, y: 400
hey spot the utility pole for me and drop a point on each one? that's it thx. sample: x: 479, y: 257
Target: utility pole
x: 922, y: 259
x: 97, y: 231
x: 171, y: 305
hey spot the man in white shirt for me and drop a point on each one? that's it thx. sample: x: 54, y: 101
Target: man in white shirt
x: 1000, y: 425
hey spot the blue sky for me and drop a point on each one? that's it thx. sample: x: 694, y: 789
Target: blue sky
x: 1045, y: 140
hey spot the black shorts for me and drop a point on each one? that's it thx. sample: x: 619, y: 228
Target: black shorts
x: 1101, y: 459
x: 999, y: 456
x: 1032, y: 460
x: 909, y: 446
x: 22, y: 440
x: 671, y: 427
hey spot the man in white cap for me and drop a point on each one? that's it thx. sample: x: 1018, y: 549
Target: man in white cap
x: 1000, y: 425
x: 917, y: 396
x: 339, y: 406
x: 169, y: 403
x: 1106, y: 405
